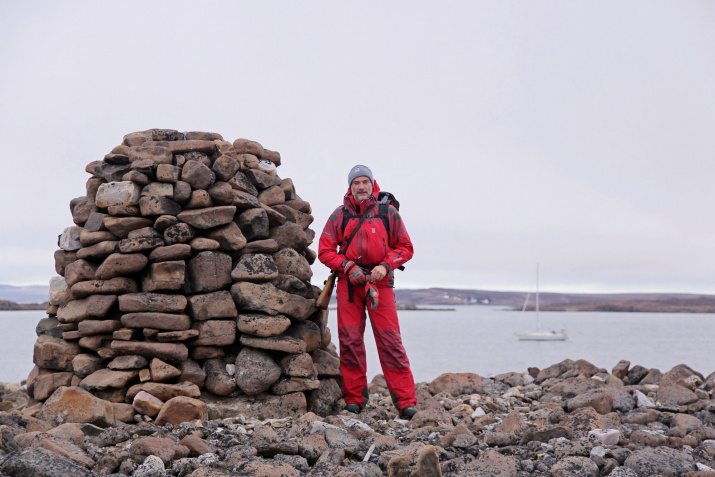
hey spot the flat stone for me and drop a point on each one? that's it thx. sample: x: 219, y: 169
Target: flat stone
x: 153, y: 206
x: 262, y: 180
x: 74, y: 404
x: 254, y: 224
x: 107, y: 378
x: 97, y: 306
x: 600, y: 401
x: 165, y: 391
x: 290, y: 235
x: 85, y: 364
x: 123, y: 363
x: 137, y: 177
x: 255, y: 371
x: 201, y: 244
x: 108, y: 172
x: 306, y: 331
x: 164, y: 222
x: 182, y: 409
x: 179, y: 234
x: 206, y: 352
x: 274, y: 343
x: 297, y: 365
x: 290, y: 262
x: 121, y: 264
x: 88, y: 238
x: 146, y: 448
x: 98, y: 327
x: 152, y: 154
x: 141, y: 244
x: 300, y: 205
x: 272, y: 196
x: 161, y: 371
x: 275, y: 218
x: 660, y: 461
x: 121, y: 226
x: 98, y: 251
x: 456, y: 384
x: 244, y: 200
x: 117, y: 193
x: 169, y: 352
x: 240, y: 182
x: 79, y: 270
x: 169, y: 336
x: 261, y: 246
x: 262, y: 325
x: 69, y: 240
x: 207, y: 272
x: 155, y: 302
x: 229, y: 237
x: 46, y: 384
x: 207, y: 306
x: 302, y: 219
x: 113, y: 286
x: 215, y: 333
x: 266, y: 298
x: 187, y: 146
x: 38, y: 461
x: 288, y: 385
x: 123, y: 210
x: 255, y: 268
x: 209, y: 217
x: 168, y: 173
x: 261, y: 406
x: 179, y: 251
x: 158, y: 321
x: 164, y: 276
x: 325, y: 363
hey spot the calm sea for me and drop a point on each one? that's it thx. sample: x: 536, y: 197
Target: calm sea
x: 480, y: 339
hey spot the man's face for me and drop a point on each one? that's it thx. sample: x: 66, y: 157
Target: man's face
x: 361, y: 188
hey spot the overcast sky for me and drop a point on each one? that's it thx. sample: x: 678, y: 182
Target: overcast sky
x: 574, y: 134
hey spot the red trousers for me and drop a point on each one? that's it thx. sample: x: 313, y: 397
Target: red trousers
x: 386, y: 329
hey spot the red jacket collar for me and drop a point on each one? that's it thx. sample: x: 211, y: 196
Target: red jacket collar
x: 356, y: 208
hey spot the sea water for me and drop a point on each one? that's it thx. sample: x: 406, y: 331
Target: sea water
x: 481, y: 340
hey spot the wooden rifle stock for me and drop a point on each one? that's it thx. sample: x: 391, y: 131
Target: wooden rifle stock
x: 324, y: 298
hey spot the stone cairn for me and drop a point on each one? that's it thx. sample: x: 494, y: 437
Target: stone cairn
x: 186, y: 276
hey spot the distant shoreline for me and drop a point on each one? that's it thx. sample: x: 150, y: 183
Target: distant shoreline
x: 6, y: 305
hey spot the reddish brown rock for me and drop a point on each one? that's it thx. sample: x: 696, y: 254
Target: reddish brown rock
x: 266, y: 298
x: 161, y: 371
x: 254, y: 224
x: 78, y: 271
x: 456, y: 384
x: 171, y: 252
x: 255, y: 268
x: 290, y: 262
x: 298, y: 365
x: 218, y: 381
x: 128, y: 362
x: 98, y: 327
x: 170, y: 352
x: 147, y: 404
x: 62, y: 259
x: 286, y: 344
x: 152, y: 155
x: 74, y: 404
x: 46, y: 384
x: 306, y: 331
x: 274, y: 195
x: 229, y: 237
x: 165, y: 449
x: 165, y: 391
x: 261, y: 406
x: 207, y: 272
x: 113, y: 286
x: 154, y: 302
x: 602, y: 402
x: 209, y: 217
x: 169, y: 336
x: 158, y: 321
x: 207, y: 306
x: 290, y: 235
x: 182, y: 409
x: 225, y: 167
x: 262, y: 325
x: 85, y: 364
x: 164, y: 276
x: 107, y: 378
x: 121, y: 264
x: 139, y: 244
x: 121, y: 226
x: 215, y: 333
x: 98, y: 251
x: 179, y: 234
x: 240, y: 182
x: 54, y: 353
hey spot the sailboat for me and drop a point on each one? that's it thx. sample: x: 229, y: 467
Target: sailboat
x: 539, y: 335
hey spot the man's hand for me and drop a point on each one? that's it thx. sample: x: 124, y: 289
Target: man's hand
x: 356, y: 275
x: 378, y: 273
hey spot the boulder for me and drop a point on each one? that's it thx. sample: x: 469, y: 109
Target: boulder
x: 54, y: 353
x: 97, y: 306
x: 182, y: 409
x: 121, y: 264
x: 74, y: 404
x: 255, y: 371
x: 266, y: 298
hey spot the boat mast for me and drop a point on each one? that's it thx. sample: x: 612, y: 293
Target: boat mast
x: 538, y: 327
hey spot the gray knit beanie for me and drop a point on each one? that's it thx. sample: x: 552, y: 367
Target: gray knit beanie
x: 360, y: 171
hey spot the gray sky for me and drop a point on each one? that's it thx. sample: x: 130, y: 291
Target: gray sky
x: 575, y: 134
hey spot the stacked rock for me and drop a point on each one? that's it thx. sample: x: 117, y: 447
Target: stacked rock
x: 187, y: 273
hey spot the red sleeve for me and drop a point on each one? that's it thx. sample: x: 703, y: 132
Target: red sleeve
x: 329, y: 240
x: 400, y: 244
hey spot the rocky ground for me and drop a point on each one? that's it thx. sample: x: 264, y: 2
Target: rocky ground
x: 570, y: 419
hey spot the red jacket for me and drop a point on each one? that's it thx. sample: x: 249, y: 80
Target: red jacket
x: 371, y: 245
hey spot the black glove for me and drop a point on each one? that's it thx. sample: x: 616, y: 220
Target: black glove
x: 355, y: 274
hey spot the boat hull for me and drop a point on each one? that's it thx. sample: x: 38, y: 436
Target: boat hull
x: 541, y: 336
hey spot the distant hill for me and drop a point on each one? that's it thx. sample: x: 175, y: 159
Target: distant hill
x: 645, y: 302
x: 12, y: 306
x: 27, y: 294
